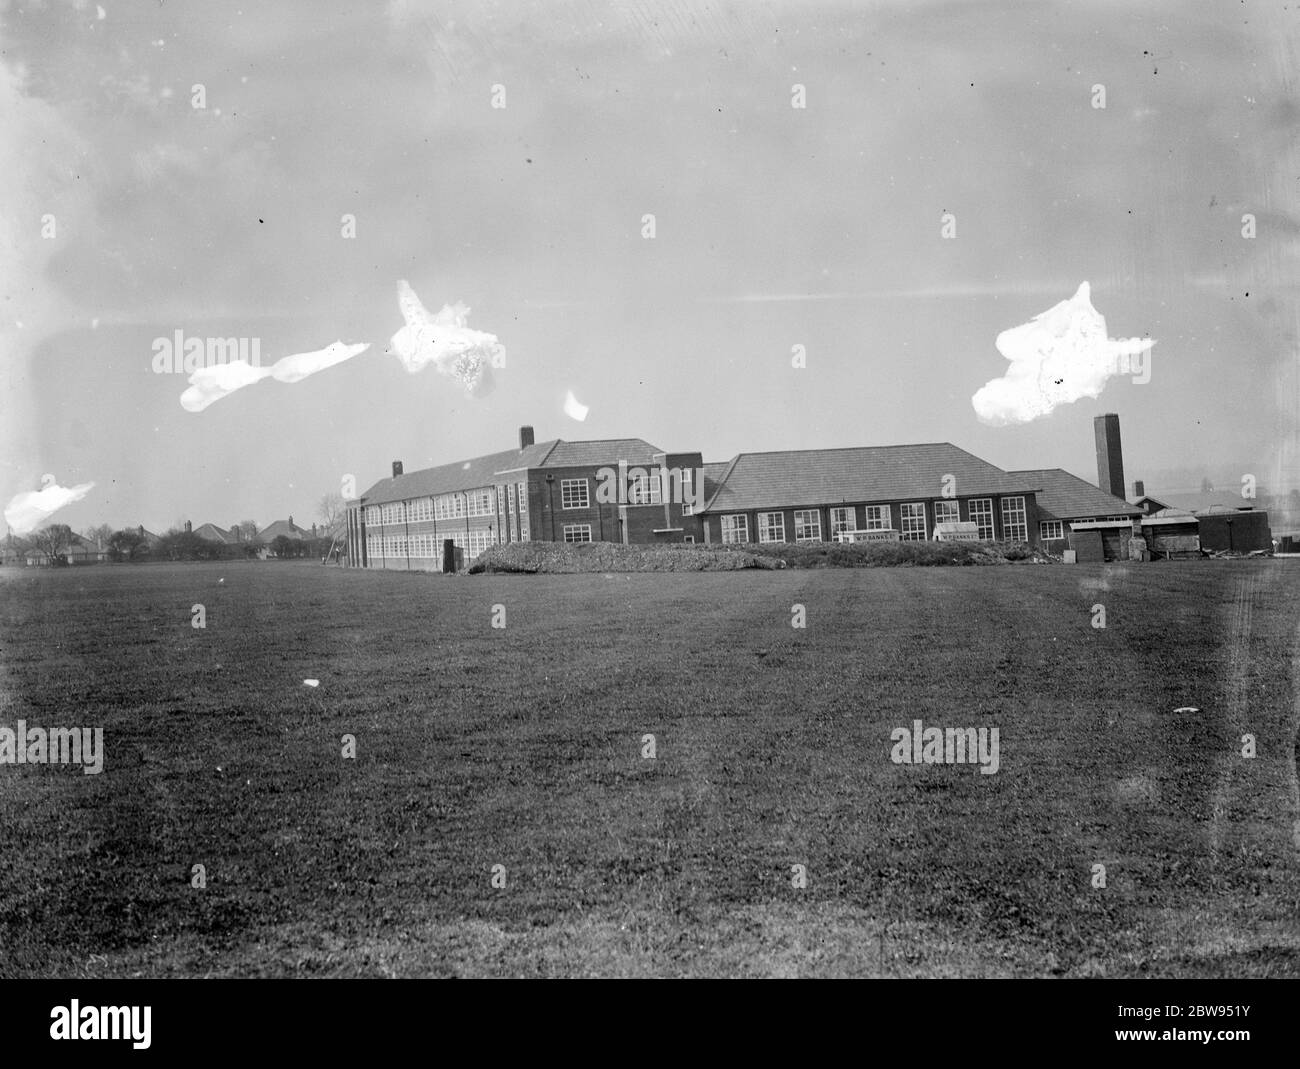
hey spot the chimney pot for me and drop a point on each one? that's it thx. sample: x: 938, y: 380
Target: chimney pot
x: 525, y: 437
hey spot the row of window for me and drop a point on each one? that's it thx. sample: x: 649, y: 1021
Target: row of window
x: 643, y: 489
x: 1048, y: 529
x: 454, y: 506
x: 912, y: 525
x: 428, y: 546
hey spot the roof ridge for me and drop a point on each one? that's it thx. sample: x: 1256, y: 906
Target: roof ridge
x: 847, y: 448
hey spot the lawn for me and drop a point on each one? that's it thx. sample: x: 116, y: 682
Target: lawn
x: 522, y: 747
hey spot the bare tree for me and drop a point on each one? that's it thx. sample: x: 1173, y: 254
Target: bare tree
x: 54, y: 542
x: 330, y: 511
x: 98, y: 535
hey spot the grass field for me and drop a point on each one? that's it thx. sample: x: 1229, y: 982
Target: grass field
x: 522, y: 747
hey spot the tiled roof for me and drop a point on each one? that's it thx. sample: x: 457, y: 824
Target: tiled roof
x: 462, y: 475
x: 1064, y: 496
x: 582, y: 454
x: 210, y: 532
x: 868, y: 473
x: 274, y: 530
x: 484, y: 470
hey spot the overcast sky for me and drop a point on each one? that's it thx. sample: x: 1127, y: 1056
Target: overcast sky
x: 775, y: 226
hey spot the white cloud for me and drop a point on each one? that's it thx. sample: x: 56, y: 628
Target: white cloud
x: 573, y: 408
x: 211, y: 384
x: 446, y: 342
x: 28, y: 510
x: 1059, y: 356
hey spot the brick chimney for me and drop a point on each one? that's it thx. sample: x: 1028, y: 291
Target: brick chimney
x: 188, y: 527
x: 525, y: 437
x: 1110, y: 457
x: 1139, y: 489
x: 397, y: 468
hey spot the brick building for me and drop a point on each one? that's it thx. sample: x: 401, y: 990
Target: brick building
x: 611, y: 491
x: 542, y: 491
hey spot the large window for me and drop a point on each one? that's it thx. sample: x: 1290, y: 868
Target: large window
x: 808, y: 525
x: 771, y: 527
x: 482, y: 502
x: 449, y: 506
x: 523, y: 498
x: 1015, y: 528
x: 577, y: 532
x: 913, y: 522
x: 946, y: 512
x: 842, y: 520
x: 735, y: 528
x: 1048, y: 529
x: 877, y: 518
x: 688, y: 497
x: 573, y: 494
x: 981, y: 514
x: 643, y: 489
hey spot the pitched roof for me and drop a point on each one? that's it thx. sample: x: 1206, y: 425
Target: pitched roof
x: 1064, y: 496
x: 609, y: 451
x: 210, y: 532
x: 287, y: 528
x: 1202, y: 502
x: 485, y: 470
x: 861, y: 473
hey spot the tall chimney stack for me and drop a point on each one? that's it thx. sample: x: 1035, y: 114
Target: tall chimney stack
x: 397, y: 468
x: 525, y: 437
x: 1139, y: 489
x: 1110, y: 457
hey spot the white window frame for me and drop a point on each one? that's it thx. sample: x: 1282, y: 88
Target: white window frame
x: 812, y: 518
x: 767, y: 527
x: 572, y: 531
x: 1045, y: 528
x: 522, y: 496
x: 1010, y: 524
x: 946, y: 510
x: 569, y: 494
x: 644, y: 489
x: 739, y: 525
x: 877, y: 518
x: 907, y: 531
x: 839, y: 522
x: 980, y: 512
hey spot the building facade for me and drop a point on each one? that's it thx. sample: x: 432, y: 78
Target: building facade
x: 629, y: 491
x: 555, y: 491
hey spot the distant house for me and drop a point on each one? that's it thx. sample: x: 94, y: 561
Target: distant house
x: 287, y: 528
x: 282, y: 528
x: 84, y: 551
x: 210, y: 532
